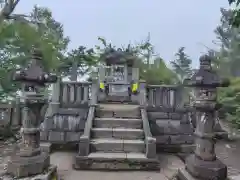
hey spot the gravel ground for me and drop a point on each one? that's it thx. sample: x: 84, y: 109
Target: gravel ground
x: 228, y: 152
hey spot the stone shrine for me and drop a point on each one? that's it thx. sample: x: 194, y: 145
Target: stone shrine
x: 118, y: 76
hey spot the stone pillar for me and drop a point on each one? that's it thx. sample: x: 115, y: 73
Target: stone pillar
x: 135, y: 79
x: 55, y: 101
x: 16, y: 120
x: 94, y: 92
x: 101, y: 79
x: 142, y: 93
x: 30, y: 160
x: 204, y: 164
x: 125, y: 73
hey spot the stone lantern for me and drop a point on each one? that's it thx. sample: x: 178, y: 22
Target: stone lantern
x: 30, y: 160
x: 204, y: 164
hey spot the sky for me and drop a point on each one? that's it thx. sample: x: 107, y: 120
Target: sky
x: 171, y: 24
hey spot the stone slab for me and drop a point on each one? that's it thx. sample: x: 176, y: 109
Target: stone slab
x: 157, y: 115
x: 44, y: 135
x: 175, y: 139
x: 182, y: 139
x: 25, y: 166
x: 117, y: 123
x: 127, y: 134
x: 72, y: 136
x: 106, y: 145
x: 133, y: 146
x: 56, y: 136
x: 118, y: 106
x: 66, y: 172
x: 118, y: 133
x: 177, y: 148
x: 46, y: 147
x: 116, y: 161
x: 117, y: 145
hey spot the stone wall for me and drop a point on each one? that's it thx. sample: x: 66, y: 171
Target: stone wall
x: 172, y: 130
x: 66, y: 126
x: 65, y: 118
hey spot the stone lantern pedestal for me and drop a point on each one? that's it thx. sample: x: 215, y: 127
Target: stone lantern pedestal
x: 204, y: 164
x: 30, y: 162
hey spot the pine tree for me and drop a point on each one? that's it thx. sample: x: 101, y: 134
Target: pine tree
x: 228, y: 40
x: 182, y: 65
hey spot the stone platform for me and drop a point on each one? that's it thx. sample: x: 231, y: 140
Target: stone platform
x: 184, y: 175
x: 169, y: 165
x: 116, y: 161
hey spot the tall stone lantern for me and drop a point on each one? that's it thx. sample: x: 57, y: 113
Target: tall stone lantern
x: 30, y: 160
x: 204, y: 164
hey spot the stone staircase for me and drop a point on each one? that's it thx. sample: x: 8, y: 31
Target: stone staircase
x: 117, y: 141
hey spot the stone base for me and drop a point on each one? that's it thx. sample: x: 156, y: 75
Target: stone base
x: 183, y: 174
x: 28, y: 166
x: 115, y: 163
x: 205, y: 170
x: 48, y: 174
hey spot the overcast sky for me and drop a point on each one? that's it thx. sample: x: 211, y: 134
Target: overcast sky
x: 172, y: 24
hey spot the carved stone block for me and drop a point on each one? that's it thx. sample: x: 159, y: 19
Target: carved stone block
x: 44, y: 135
x: 72, y: 136
x: 182, y: 139
x: 157, y: 115
x: 56, y: 136
x: 163, y: 139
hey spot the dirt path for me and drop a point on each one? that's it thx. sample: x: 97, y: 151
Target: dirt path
x: 229, y: 153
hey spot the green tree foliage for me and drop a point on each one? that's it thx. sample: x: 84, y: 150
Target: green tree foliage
x: 228, y: 56
x: 78, y: 62
x: 182, y: 65
x: 157, y: 73
x: 17, y: 39
x: 227, y: 63
x: 235, y: 19
x: 230, y: 98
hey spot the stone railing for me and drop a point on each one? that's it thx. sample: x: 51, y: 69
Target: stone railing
x: 74, y: 94
x: 168, y: 118
x: 10, y: 114
x: 169, y: 96
x: 84, y: 143
x: 67, y: 112
x: 150, y: 141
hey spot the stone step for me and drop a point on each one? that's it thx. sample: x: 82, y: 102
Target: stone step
x: 116, y: 161
x: 117, y: 123
x: 117, y: 145
x: 118, y: 111
x: 118, y: 106
x: 118, y: 133
x: 117, y: 114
